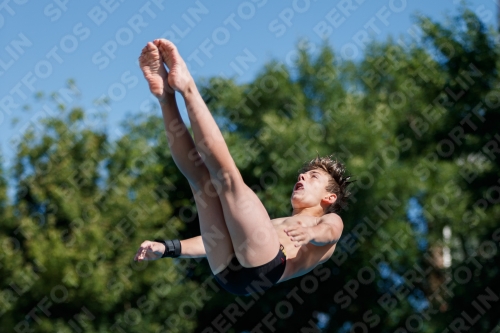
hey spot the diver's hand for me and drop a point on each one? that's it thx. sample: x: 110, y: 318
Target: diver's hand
x: 299, y: 234
x: 150, y: 250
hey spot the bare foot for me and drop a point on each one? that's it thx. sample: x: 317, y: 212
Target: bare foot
x: 154, y: 71
x: 179, y: 77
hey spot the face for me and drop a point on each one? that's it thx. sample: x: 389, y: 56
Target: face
x: 310, y: 189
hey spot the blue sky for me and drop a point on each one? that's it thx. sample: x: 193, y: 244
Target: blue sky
x: 97, y: 43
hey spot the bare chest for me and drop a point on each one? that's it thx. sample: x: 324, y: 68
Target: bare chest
x: 280, y: 224
x: 306, y: 221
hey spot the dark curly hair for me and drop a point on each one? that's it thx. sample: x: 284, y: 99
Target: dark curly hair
x: 338, y: 182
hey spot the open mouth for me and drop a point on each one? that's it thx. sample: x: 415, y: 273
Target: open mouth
x: 298, y: 186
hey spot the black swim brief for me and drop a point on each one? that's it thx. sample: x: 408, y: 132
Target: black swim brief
x: 243, y: 281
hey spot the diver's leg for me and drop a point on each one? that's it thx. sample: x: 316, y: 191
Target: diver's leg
x: 213, y: 229
x: 253, y: 236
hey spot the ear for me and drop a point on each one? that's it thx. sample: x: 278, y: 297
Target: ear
x: 330, y: 198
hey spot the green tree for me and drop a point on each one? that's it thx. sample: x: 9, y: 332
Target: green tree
x: 83, y: 206
x: 461, y: 190
x: 280, y: 120
x: 386, y: 116
x: 416, y: 123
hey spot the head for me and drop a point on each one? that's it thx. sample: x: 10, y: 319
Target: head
x: 322, y: 181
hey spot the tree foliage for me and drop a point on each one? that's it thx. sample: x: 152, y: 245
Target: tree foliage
x: 415, y: 121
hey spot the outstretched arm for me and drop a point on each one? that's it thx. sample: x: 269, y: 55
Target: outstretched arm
x: 151, y: 250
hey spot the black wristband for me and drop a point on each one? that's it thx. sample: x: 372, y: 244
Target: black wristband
x: 172, y: 248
